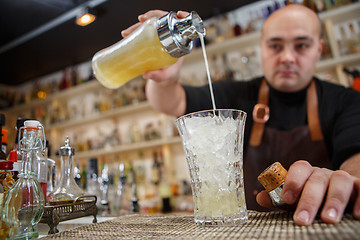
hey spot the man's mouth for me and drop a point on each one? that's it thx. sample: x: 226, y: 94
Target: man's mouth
x: 286, y: 73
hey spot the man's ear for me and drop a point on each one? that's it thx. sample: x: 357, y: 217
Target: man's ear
x: 321, y: 46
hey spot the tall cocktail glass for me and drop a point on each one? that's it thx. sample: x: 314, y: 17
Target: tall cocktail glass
x: 213, y: 144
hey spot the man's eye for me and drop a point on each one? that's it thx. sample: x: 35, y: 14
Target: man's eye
x: 302, y: 46
x: 276, y: 47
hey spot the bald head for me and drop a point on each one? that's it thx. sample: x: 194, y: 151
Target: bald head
x: 291, y: 47
x: 293, y: 15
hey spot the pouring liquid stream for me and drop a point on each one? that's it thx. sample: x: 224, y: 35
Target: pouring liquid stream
x: 207, y: 71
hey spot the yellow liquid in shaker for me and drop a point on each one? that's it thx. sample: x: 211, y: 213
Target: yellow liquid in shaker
x: 139, y: 52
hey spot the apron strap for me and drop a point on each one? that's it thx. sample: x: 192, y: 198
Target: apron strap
x: 261, y: 114
x: 313, y: 113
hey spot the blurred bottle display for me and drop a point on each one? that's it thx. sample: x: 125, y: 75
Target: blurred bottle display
x: 219, y: 27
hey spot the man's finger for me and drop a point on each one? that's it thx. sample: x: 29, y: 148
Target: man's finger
x: 312, y: 196
x: 338, y: 195
x: 298, y: 174
x: 130, y: 29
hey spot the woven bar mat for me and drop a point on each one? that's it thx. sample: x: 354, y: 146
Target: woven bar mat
x: 264, y: 225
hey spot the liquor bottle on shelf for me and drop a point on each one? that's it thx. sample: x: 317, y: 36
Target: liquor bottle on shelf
x: 165, y: 193
x: 18, y: 136
x: 92, y: 184
x: 42, y: 174
x: 64, y: 81
x: 342, y: 41
x: 155, y: 170
x: 354, y: 39
x: 77, y: 174
x: 84, y: 178
x: 2, y: 123
x: 104, y: 191
x: 4, y: 140
x: 126, y: 200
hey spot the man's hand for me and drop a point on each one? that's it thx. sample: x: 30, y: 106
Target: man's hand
x: 163, y: 90
x: 306, y: 188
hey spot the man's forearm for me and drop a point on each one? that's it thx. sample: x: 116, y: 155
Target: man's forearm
x: 166, y: 97
x: 352, y: 165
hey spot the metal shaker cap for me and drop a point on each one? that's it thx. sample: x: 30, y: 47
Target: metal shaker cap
x: 176, y: 34
x: 67, y: 150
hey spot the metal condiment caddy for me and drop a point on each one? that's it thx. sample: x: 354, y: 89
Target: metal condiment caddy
x: 67, y: 201
x: 81, y: 207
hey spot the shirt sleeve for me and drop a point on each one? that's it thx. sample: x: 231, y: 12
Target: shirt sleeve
x: 341, y: 119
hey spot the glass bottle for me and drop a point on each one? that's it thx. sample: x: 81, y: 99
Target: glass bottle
x: 4, y: 140
x: 51, y: 176
x: 42, y: 174
x: 24, y: 203
x: 155, y: 44
x: 104, y: 191
x: 18, y: 136
x: 67, y: 191
x: 155, y: 170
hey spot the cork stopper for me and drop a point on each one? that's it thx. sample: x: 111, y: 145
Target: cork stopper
x: 273, y: 176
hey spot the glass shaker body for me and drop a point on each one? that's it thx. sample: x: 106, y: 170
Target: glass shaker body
x: 66, y: 191
x: 155, y: 44
x: 132, y: 56
x: 24, y: 203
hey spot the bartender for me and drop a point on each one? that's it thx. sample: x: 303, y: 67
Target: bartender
x: 311, y: 126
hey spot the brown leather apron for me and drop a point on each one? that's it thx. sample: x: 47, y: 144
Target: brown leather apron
x: 268, y: 145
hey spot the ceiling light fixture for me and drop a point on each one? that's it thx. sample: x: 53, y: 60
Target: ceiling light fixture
x: 50, y: 25
x: 85, y: 17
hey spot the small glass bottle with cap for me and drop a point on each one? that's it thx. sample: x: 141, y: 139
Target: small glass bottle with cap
x: 24, y: 202
x: 66, y: 191
x: 155, y: 44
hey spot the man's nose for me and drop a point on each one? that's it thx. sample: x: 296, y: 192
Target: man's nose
x: 288, y: 55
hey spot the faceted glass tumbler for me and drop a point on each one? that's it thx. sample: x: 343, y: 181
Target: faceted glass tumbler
x: 213, y: 144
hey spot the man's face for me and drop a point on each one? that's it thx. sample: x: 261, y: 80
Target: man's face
x: 290, y: 48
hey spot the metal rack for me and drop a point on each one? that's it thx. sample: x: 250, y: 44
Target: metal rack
x: 81, y: 207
